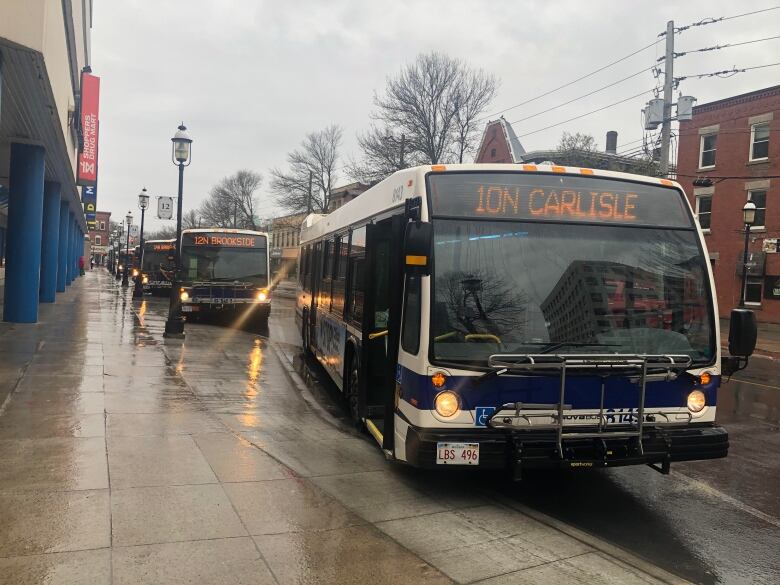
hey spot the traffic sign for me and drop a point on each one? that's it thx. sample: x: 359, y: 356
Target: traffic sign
x: 165, y: 207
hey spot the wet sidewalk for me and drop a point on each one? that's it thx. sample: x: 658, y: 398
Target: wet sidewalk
x: 125, y: 459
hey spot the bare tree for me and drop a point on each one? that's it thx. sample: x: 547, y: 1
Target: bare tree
x: 166, y: 233
x: 315, y: 164
x: 434, y: 103
x: 190, y: 219
x: 232, y: 202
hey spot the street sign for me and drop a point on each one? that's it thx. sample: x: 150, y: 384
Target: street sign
x: 770, y: 245
x: 164, y: 207
x: 134, y: 231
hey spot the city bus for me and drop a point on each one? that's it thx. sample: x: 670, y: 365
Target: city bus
x: 520, y: 317
x: 225, y: 271
x: 157, y: 266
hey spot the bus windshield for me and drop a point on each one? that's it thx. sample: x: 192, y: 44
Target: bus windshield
x: 204, y: 261
x: 156, y: 257
x: 533, y: 287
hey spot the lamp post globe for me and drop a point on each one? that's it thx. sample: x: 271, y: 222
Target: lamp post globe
x: 181, y: 157
x: 143, y: 204
x: 748, y: 218
x: 126, y: 270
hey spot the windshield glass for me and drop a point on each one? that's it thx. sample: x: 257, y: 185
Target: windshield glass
x: 220, y: 264
x: 535, y: 287
x: 156, y: 258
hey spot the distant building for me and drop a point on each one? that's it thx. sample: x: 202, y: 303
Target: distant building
x: 285, y: 235
x: 735, y: 141
x: 500, y: 144
x: 99, y: 236
x: 341, y: 195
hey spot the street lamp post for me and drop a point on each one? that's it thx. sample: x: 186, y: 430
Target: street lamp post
x: 129, y: 222
x: 143, y: 204
x: 748, y: 217
x: 118, y: 256
x: 182, y: 144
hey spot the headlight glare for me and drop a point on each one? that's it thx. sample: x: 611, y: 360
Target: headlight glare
x: 696, y: 401
x: 184, y: 295
x: 262, y: 295
x: 446, y: 404
x: 145, y: 279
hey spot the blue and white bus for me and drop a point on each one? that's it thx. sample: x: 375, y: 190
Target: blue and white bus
x: 519, y: 316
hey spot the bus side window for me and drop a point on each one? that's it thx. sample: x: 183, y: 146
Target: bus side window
x: 327, y: 276
x: 357, y: 258
x: 340, y: 275
x: 410, y: 337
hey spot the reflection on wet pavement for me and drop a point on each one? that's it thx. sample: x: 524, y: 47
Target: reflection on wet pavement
x: 127, y: 458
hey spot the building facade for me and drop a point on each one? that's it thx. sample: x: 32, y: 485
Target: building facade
x: 99, y: 237
x: 285, y: 235
x: 44, y: 48
x: 734, y: 142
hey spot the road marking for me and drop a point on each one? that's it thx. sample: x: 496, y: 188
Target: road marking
x: 711, y: 491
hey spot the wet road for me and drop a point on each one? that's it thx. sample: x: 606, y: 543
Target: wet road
x: 709, y: 522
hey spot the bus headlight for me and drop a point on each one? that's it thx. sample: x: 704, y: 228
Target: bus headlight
x: 145, y: 279
x: 696, y: 401
x: 121, y: 267
x: 262, y: 295
x: 446, y: 404
x: 184, y: 295
x: 135, y: 272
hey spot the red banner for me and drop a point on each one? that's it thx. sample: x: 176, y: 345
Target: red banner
x: 88, y: 156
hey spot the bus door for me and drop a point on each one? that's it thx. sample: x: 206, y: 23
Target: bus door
x: 316, y: 259
x: 381, y: 325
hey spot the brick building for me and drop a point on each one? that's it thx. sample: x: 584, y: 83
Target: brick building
x: 99, y: 236
x: 735, y: 142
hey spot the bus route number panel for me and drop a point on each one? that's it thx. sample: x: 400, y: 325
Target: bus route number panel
x: 524, y: 196
x: 457, y: 453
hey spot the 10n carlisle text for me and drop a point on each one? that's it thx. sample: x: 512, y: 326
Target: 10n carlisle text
x: 552, y: 204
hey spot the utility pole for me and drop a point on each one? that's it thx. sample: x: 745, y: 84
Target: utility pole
x: 666, y: 124
x: 308, y: 200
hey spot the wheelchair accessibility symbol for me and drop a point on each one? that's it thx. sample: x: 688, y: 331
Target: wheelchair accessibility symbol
x: 482, y: 415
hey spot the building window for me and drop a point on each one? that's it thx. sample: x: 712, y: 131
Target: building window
x: 759, y: 198
x: 102, y: 226
x: 753, y: 289
x: 97, y: 240
x: 704, y: 211
x: 759, y: 141
x: 707, y: 153
x: 492, y: 153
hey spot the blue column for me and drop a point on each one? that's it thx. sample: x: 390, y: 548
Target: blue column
x: 25, y: 219
x: 71, y: 233
x: 62, y: 247
x: 50, y: 241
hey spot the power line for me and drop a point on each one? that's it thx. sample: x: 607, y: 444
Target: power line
x: 572, y: 82
x: 585, y: 114
x: 718, y: 47
x: 709, y: 20
x: 725, y: 73
x: 571, y: 101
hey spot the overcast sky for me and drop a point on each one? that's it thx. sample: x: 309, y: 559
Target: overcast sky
x: 251, y: 78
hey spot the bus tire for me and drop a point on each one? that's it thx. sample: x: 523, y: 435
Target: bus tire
x: 352, y: 389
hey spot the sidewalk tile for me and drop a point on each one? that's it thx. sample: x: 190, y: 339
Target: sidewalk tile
x: 64, y: 401
x: 165, y: 423
x: 347, y: 556
x: 432, y: 533
x: 38, y: 522
x: 586, y: 569
x: 234, y: 459
x: 152, y: 515
x: 62, y: 463
x: 289, y: 505
x: 24, y: 423
x: 70, y: 568
x: 232, y: 561
x: 155, y: 461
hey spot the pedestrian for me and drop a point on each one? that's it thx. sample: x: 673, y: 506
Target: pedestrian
x: 81, y: 265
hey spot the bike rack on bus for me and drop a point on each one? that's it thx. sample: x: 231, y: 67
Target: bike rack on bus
x: 634, y: 366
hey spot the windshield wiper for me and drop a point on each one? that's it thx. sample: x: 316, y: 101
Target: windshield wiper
x: 490, y: 374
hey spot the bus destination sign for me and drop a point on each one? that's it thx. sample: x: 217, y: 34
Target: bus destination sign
x: 550, y: 197
x: 162, y: 247
x: 225, y: 240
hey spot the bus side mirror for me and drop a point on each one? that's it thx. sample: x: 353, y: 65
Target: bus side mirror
x: 743, y: 333
x: 417, y: 248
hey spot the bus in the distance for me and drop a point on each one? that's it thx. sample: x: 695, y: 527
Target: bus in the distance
x: 225, y: 271
x: 521, y: 316
x: 157, y: 266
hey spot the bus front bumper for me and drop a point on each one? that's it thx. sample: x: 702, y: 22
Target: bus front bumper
x: 525, y: 450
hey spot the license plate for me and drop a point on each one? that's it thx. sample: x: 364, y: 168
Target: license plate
x: 457, y: 453
x: 189, y: 309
